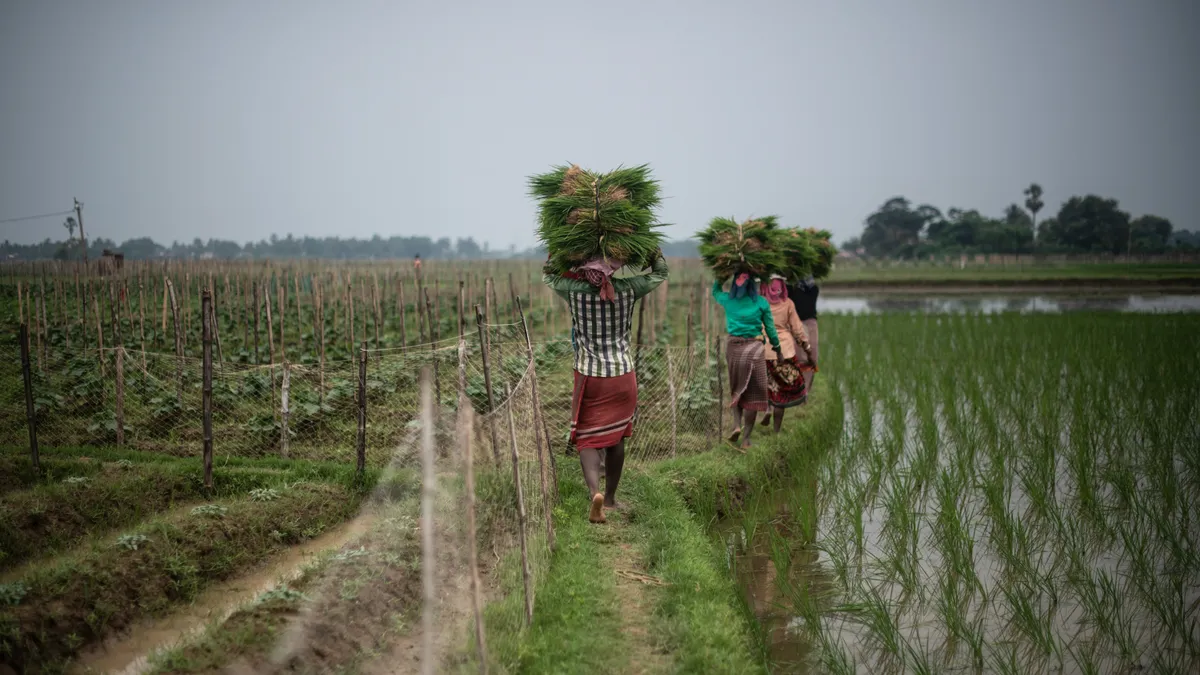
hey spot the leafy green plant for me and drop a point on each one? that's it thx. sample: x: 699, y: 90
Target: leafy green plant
x: 12, y: 593
x: 209, y: 511
x: 264, y: 494
x: 131, y: 542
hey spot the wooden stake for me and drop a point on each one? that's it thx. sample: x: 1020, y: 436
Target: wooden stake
x: 178, y: 341
x: 27, y: 376
x: 428, y: 494
x: 403, y: 321
x: 487, y: 383
x: 257, y: 310
x: 120, y: 408
x: 540, y: 429
x: 99, y: 333
x: 284, y: 410
x: 362, y: 409
x: 466, y: 422
x: 525, y: 573
x: 206, y: 317
x: 671, y: 391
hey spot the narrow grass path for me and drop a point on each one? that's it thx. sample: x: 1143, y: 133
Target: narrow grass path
x: 644, y: 593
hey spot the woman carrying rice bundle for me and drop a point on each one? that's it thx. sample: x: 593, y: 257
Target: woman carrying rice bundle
x: 605, y: 395
x: 787, y: 381
x: 747, y: 317
x: 592, y: 225
x: 804, y: 296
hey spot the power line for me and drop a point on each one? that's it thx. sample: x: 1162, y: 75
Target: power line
x: 44, y: 215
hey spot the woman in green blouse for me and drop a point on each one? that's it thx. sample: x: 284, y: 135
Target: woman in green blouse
x: 747, y: 317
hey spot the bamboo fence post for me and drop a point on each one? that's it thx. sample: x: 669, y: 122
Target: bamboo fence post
x: 41, y: 343
x: 319, y: 335
x: 216, y: 328
x: 671, y: 392
x: 120, y: 403
x: 281, y: 294
x: 299, y: 319
x: 257, y: 310
x: 113, y: 318
x: 284, y: 410
x: 27, y: 377
x: 540, y: 430
x: 420, y: 294
x: 433, y: 347
x: 99, y: 333
x: 142, y: 322
x: 487, y: 383
x: 206, y: 317
x: 375, y: 302
x: 350, y: 333
x: 466, y: 423
x: 525, y: 574
x: 270, y: 343
x: 163, y: 332
x: 178, y: 342
x: 461, y: 321
x: 362, y: 410
x: 428, y: 494
x: 403, y: 320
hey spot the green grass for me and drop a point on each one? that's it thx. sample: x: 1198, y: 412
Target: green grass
x: 89, y: 491
x: 577, y: 624
x: 700, y: 617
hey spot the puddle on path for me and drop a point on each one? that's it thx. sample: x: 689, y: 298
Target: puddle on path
x: 129, y: 654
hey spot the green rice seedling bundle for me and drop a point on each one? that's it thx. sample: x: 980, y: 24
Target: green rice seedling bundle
x: 806, y: 252
x: 583, y: 214
x: 728, y: 247
x: 826, y: 251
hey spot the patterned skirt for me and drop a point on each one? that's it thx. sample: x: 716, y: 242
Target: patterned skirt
x: 747, y: 374
x: 788, y: 385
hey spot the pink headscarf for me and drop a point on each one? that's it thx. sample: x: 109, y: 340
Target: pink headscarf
x: 598, y: 272
x: 776, y: 291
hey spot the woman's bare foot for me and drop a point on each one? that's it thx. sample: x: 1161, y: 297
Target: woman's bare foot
x: 614, y: 506
x: 737, y: 433
x: 766, y: 420
x: 596, y: 515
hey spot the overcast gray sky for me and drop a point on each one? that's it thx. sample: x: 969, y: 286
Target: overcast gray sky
x: 238, y: 119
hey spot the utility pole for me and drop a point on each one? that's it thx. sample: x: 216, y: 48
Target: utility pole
x: 82, y: 236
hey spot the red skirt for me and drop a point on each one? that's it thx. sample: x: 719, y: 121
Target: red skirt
x: 787, y: 384
x: 602, y: 410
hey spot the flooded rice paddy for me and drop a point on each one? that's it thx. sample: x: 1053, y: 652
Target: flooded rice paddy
x: 1012, y: 494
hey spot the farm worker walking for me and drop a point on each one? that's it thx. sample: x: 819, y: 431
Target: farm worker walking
x: 787, y: 385
x: 804, y: 296
x: 747, y: 316
x: 605, y: 394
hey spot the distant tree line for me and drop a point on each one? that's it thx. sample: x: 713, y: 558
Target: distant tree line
x: 145, y: 248
x: 375, y: 248
x: 1083, y: 225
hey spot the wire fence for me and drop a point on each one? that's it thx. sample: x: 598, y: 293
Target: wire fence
x: 153, y: 401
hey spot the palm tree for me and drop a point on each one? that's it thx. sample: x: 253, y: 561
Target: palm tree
x: 1033, y: 202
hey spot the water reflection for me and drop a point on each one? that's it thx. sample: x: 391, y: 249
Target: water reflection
x: 778, y: 533
x: 991, y: 304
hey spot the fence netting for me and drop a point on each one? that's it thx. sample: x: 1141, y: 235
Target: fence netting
x: 153, y: 401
